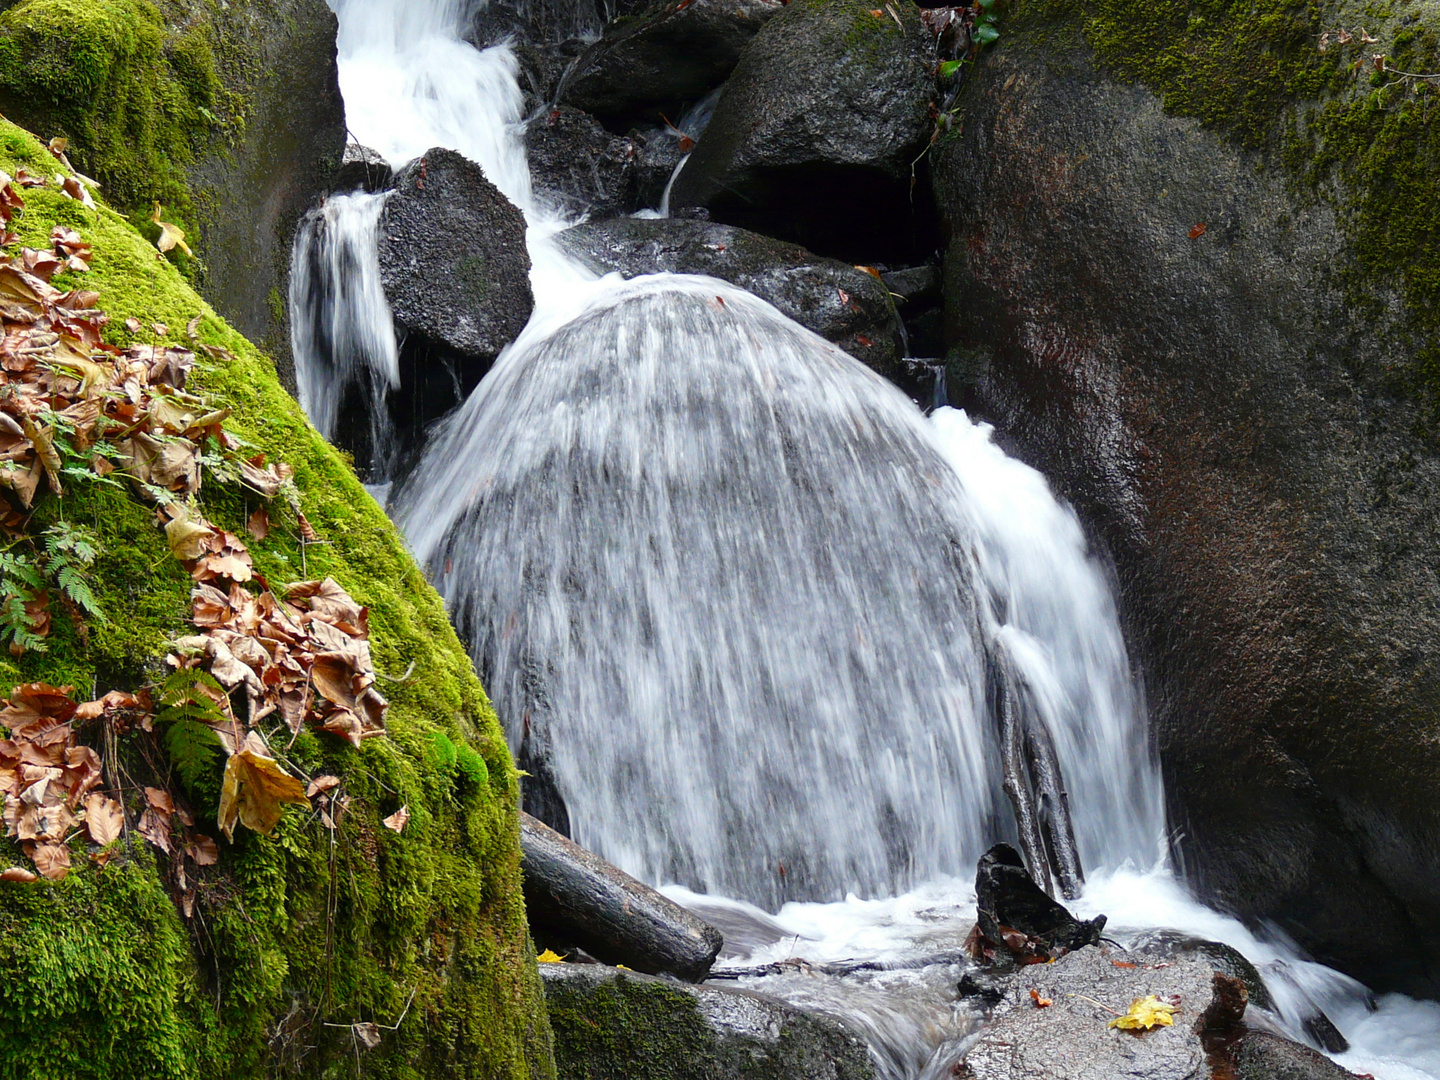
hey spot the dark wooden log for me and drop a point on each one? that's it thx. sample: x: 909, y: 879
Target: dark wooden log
x: 1015, y: 775
x: 575, y: 896
x: 1055, y: 819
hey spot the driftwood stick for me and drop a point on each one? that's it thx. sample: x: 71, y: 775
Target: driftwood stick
x: 1054, y: 812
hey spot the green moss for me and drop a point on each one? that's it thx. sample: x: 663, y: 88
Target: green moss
x: 1362, y: 141
x: 135, y: 100
x: 302, y: 930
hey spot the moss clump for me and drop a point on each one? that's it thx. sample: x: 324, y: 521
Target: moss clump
x: 136, y: 100
x: 305, y: 929
x: 1361, y: 139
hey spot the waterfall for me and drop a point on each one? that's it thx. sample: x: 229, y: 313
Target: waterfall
x: 744, y: 600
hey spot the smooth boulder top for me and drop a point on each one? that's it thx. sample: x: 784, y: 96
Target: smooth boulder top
x: 816, y: 134
x: 673, y: 53
x: 452, y: 257
x: 840, y: 302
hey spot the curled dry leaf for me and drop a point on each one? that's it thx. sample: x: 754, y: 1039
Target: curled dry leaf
x: 154, y: 826
x: 17, y: 873
x: 322, y: 784
x: 398, y: 819
x: 171, y: 236
x: 203, y: 851
x: 52, y: 860
x: 367, y: 1033
x: 104, y: 818
x: 160, y: 800
x: 259, y: 524
x: 255, y: 789
x: 1040, y: 1002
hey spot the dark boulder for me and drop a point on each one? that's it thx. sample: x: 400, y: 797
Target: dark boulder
x: 1259, y: 1055
x: 577, y: 166
x: 838, y: 301
x: 655, y: 62
x: 533, y: 22
x: 1007, y: 899
x: 362, y: 169
x: 1195, y: 344
x: 817, y: 134
x: 617, y: 1025
x: 658, y: 150
x: 453, y: 259
x: 574, y: 897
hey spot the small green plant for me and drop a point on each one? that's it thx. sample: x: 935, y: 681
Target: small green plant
x: 70, y: 554
x: 189, y: 715
x: 22, y: 613
x: 63, y: 562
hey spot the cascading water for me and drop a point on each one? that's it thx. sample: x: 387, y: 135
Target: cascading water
x: 744, y: 594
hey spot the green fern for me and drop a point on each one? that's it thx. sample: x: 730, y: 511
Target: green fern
x: 70, y: 551
x: 20, y: 584
x: 188, y: 715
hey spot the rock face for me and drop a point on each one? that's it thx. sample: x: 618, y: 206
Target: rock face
x: 362, y: 169
x: 815, y: 134
x: 577, y: 166
x: 616, y: 1025
x: 657, y: 61
x: 576, y: 897
x: 1070, y: 1037
x: 1171, y: 337
x: 453, y: 258
x: 230, y: 115
x: 839, y: 302
x: 1259, y: 1055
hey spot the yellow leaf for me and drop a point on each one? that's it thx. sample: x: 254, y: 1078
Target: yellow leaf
x: 186, y: 538
x: 1146, y: 1013
x: 256, y: 789
x: 549, y: 956
x: 171, y: 236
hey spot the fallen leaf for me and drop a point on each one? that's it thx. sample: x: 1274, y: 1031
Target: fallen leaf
x: 15, y: 873
x: 322, y: 784
x: 160, y: 800
x: 1040, y: 1002
x: 549, y: 956
x: 367, y: 1033
x: 104, y: 818
x: 397, y: 820
x: 171, y: 236
x: 1146, y: 1013
x: 203, y: 850
x: 1197, y: 231
x: 155, y: 827
x: 256, y: 789
x: 1124, y: 964
x: 187, y: 538
x: 52, y: 860
x: 259, y: 524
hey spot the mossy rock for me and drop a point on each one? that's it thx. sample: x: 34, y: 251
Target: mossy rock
x: 297, y: 936
x: 618, y: 1025
x: 1200, y: 255
x: 228, y: 114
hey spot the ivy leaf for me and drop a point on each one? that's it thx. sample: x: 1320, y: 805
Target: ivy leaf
x: 986, y: 33
x: 947, y: 69
x: 256, y: 789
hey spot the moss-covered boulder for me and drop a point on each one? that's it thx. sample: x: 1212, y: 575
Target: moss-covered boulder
x: 1199, y: 244
x: 617, y: 1025
x: 228, y: 114
x: 292, y: 939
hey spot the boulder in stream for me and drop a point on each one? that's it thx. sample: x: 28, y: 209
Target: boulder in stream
x: 1261, y: 1055
x: 840, y: 302
x: 577, y: 166
x: 617, y: 1025
x: 452, y: 258
x: 671, y: 54
x: 1217, y: 340
x: 817, y: 134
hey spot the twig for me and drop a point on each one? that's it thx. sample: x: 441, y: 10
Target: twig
x: 1102, y: 1005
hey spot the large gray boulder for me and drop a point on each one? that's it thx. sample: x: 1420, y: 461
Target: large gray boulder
x: 1200, y: 349
x: 577, y: 166
x: 1259, y: 1055
x: 452, y: 258
x: 816, y: 133
x: 671, y: 54
x: 840, y: 302
x: 618, y: 1025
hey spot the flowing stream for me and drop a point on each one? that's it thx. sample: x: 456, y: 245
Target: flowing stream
x: 744, y: 600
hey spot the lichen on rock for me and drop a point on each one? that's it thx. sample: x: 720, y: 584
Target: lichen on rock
x: 297, y: 937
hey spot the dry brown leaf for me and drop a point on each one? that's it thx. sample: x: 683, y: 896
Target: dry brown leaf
x: 155, y: 827
x: 104, y: 818
x: 367, y: 1033
x: 398, y: 819
x: 16, y: 873
x: 187, y: 538
x: 256, y: 789
x: 322, y: 784
x: 259, y: 524
x: 160, y: 800
x: 52, y: 860
x: 171, y: 236
x: 203, y: 851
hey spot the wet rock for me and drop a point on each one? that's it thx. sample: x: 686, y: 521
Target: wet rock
x: 362, y: 169
x: 816, y: 133
x: 1070, y: 1037
x: 533, y: 22
x: 655, y: 62
x: 837, y: 301
x: 1007, y: 899
x: 617, y: 1025
x: 657, y: 151
x: 453, y: 259
x: 1259, y: 1055
x: 577, y: 166
x: 573, y: 895
x: 1222, y: 957
x: 1252, y: 448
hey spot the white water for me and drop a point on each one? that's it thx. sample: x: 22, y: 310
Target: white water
x: 755, y: 621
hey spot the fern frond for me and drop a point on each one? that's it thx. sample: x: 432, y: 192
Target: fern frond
x: 193, y: 748
x: 73, y: 584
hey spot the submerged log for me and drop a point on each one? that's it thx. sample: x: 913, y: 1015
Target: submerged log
x: 574, y: 895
